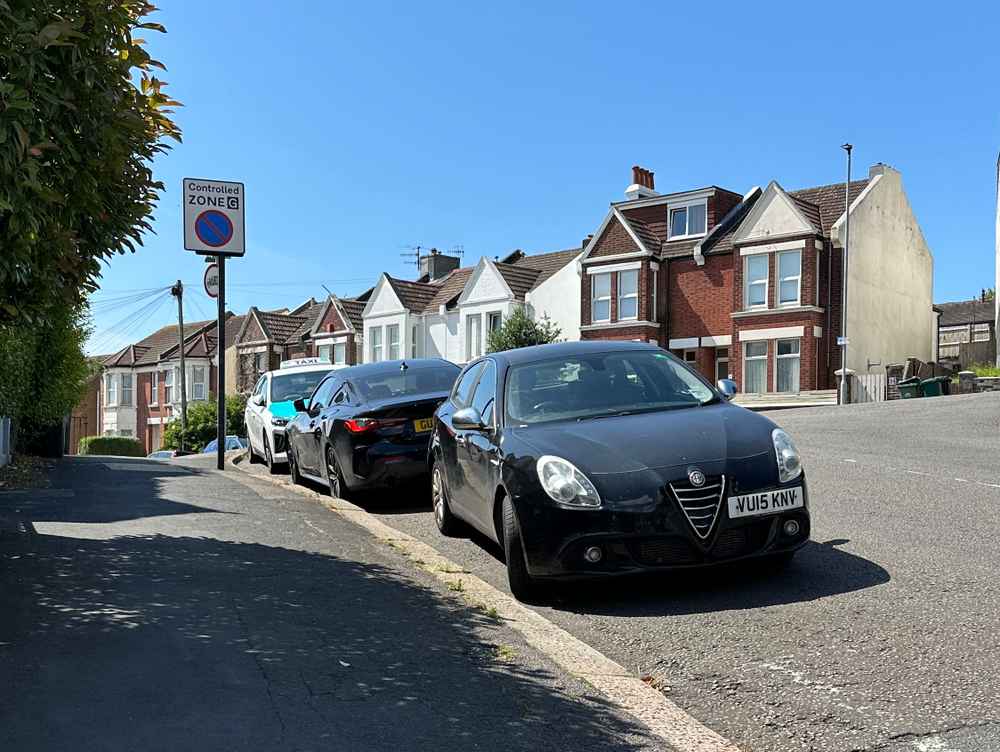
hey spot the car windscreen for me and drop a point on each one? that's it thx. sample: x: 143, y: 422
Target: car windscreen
x: 406, y: 383
x: 293, y: 386
x: 591, y: 385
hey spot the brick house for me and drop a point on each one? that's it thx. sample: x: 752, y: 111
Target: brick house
x: 140, y: 384
x: 331, y: 329
x: 749, y: 285
x: 967, y: 322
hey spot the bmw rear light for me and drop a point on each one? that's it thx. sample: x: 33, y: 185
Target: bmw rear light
x: 360, y: 425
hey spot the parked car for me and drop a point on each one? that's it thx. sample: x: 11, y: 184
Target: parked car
x: 161, y: 454
x: 232, y: 442
x: 587, y: 459
x: 368, y: 426
x: 269, y: 406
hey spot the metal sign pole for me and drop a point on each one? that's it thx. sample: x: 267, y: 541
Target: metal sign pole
x: 220, y: 354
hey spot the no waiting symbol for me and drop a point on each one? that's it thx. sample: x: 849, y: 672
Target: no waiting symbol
x: 213, y: 228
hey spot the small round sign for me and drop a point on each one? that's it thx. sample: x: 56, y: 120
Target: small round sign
x: 212, y: 280
x: 213, y: 228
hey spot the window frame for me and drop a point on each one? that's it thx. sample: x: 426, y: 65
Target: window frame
x: 391, y: 346
x: 628, y: 296
x: 476, y: 366
x: 686, y: 208
x: 154, y: 389
x: 325, y: 346
x: 202, y: 382
x: 749, y: 283
x: 471, y: 354
x: 488, y: 363
x: 755, y: 358
x: 692, y: 351
x: 595, y: 299
x: 414, y: 335
x: 781, y: 280
x: 333, y: 357
x: 720, y: 360
x: 168, y: 386
x: 126, y: 379
x: 111, y: 390
x: 797, y: 355
x: 492, y: 316
x: 374, y: 347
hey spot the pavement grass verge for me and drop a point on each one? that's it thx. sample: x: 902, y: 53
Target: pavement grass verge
x: 630, y: 693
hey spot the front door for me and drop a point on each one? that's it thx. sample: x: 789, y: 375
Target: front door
x: 477, y: 453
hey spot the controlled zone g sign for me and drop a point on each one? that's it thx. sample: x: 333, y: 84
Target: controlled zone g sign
x: 214, y: 212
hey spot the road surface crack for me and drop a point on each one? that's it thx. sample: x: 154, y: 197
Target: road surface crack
x: 260, y: 667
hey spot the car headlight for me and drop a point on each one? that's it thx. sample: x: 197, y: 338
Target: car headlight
x: 789, y: 464
x: 565, y: 484
x: 279, y: 421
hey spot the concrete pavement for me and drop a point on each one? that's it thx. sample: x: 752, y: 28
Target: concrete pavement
x: 881, y: 636
x: 164, y: 606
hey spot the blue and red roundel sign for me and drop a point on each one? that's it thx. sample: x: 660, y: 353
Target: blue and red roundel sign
x: 213, y: 228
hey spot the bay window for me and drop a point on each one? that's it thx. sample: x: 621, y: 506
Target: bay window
x: 168, y: 386
x: 392, y: 340
x: 198, y: 382
x: 755, y: 367
x: 111, y: 389
x: 376, y: 346
x: 789, y: 278
x: 600, y: 297
x: 628, y: 294
x: 687, y: 220
x: 755, y: 281
x: 413, y: 341
x: 494, y: 321
x: 787, y: 365
x: 340, y: 353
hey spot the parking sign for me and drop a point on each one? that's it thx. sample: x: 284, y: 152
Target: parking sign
x: 214, y: 213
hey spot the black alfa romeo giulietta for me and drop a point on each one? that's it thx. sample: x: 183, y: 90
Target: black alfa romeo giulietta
x: 589, y: 459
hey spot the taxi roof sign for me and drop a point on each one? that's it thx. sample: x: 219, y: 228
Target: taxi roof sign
x: 296, y: 362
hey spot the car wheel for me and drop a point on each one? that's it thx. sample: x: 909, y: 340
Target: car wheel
x: 253, y: 459
x: 268, y: 458
x: 335, y: 476
x: 293, y: 468
x: 447, y: 522
x: 522, y: 585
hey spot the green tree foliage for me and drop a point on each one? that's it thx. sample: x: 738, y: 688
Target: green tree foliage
x: 519, y: 330
x: 115, y: 445
x: 81, y: 118
x: 201, y: 424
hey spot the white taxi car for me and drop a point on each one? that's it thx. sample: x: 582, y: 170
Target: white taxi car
x: 269, y: 406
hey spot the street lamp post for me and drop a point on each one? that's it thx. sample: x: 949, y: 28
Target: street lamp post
x: 843, y: 301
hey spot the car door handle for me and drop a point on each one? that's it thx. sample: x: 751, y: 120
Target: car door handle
x: 460, y: 439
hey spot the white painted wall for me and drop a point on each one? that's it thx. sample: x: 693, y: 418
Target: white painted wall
x: 441, y: 337
x: 890, y: 277
x: 559, y: 298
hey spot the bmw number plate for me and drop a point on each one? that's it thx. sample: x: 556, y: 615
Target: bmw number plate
x: 765, y: 502
x: 422, y: 425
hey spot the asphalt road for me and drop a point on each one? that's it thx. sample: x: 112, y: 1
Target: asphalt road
x: 164, y: 606
x: 885, y: 632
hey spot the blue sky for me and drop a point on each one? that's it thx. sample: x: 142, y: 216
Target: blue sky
x: 362, y: 129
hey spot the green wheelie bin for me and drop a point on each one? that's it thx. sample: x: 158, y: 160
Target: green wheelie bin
x: 909, y: 388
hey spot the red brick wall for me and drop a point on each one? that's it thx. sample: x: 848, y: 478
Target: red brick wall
x: 643, y: 332
x: 614, y: 240
x: 332, y: 321
x: 700, y: 297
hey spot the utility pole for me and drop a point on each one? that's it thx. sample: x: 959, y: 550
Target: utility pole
x: 843, y: 303
x: 178, y: 292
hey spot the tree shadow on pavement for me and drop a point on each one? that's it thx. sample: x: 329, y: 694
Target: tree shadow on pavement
x: 167, y: 643
x: 818, y: 570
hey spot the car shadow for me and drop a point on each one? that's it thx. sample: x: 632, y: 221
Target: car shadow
x: 819, y: 570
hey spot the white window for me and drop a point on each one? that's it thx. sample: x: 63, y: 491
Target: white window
x: 721, y: 363
x: 258, y: 362
x: 340, y: 353
x: 789, y: 277
x: 198, y: 382
x: 413, y: 342
x: 325, y: 352
x: 628, y: 294
x: 652, y: 313
x: 755, y: 281
x: 690, y: 356
x: 980, y: 332
x: 168, y: 386
x: 127, y: 432
x: 126, y: 395
x: 494, y: 320
x: 392, y: 337
x: 787, y: 365
x: 755, y: 367
x: 154, y: 388
x: 473, y: 336
x: 687, y: 220
x: 376, y: 347
x: 111, y: 389
x: 600, y: 297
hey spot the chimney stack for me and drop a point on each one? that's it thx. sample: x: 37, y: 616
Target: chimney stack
x: 642, y: 184
x: 436, y: 265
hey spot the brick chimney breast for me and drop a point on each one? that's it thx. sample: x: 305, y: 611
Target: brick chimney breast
x: 642, y: 184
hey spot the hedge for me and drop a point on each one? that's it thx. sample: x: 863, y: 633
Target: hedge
x: 120, y: 446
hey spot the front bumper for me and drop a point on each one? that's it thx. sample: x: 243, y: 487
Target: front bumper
x: 651, y: 539
x: 279, y: 445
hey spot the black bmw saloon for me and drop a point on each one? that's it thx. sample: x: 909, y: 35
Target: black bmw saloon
x: 368, y: 426
x: 588, y: 459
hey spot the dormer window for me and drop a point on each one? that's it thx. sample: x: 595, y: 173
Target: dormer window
x: 687, y: 220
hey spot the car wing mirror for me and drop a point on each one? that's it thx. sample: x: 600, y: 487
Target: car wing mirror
x: 300, y: 405
x: 727, y: 387
x: 468, y: 419
x: 259, y: 400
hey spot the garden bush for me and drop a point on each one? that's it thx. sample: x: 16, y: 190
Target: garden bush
x: 119, y: 446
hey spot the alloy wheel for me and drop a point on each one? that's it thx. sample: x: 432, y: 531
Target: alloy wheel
x: 333, y: 474
x: 437, y: 495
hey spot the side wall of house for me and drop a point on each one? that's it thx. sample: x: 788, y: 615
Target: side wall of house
x: 889, y: 279
x: 558, y: 297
